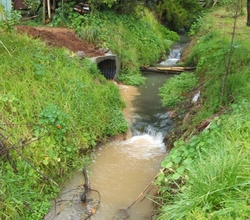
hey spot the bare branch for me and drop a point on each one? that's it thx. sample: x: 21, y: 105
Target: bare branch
x: 5, y: 48
x: 230, y: 53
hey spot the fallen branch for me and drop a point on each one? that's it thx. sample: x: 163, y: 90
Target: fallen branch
x: 27, y: 161
x: 28, y: 18
x: 149, y: 184
x: 86, y: 186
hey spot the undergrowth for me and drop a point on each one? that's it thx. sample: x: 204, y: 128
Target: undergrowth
x: 210, y: 171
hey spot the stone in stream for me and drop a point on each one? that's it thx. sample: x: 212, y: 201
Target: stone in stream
x: 122, y: 214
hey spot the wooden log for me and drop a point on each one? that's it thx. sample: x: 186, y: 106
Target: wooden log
x: 174, y: 68
x: 167, y: 69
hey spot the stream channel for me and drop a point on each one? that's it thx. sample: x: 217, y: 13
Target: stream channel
x: 121, y: 170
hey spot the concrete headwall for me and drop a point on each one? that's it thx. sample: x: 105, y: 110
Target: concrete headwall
x: 109, y: 65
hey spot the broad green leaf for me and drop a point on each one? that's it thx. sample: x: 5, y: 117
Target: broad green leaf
x: 188, y: 161
x: 160, y: 177
x: 176, y: 176
x: 167, y: 165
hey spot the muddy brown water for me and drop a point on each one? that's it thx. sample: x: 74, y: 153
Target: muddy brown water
x: 121, y: 170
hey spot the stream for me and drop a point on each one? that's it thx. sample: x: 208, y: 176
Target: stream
x: 121, y: 171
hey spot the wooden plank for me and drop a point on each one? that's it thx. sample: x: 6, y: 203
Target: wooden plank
x: 175, y: 68
x: 167, y: 69
x: 179, y: 69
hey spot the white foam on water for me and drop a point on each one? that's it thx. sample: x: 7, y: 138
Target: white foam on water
x: 173, y: 58
x: 144, y: 146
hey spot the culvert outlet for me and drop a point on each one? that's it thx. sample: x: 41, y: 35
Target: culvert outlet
x: 109, y: 65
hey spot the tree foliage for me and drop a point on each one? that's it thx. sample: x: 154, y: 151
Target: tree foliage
x: 177, y: 14
x: 174, y: 14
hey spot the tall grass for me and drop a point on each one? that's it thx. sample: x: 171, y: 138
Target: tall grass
x: 218, y: 180
x: 54, y: 108
x: 172, y: 92
x: 211, y: 55
x: 215, y: 183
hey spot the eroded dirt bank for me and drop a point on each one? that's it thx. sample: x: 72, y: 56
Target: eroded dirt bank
x: 61, y: 37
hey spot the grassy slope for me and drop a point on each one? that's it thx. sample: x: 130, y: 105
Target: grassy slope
x: 53, y: 107
x: 210, y: 170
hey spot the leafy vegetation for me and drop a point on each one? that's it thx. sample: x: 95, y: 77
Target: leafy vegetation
x: 205, y: 175
x: 214, y: 168
x: 8, y: 19
x: 178, y: 14
x: 54, y: 108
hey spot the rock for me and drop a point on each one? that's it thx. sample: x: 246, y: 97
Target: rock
x: 122, y: 214
x: 81, y: 54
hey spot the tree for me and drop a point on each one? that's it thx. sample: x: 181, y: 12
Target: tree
x: 248, y: 12
x: 178, y: 14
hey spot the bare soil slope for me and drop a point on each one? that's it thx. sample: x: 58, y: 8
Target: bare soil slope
x: 61, y: 37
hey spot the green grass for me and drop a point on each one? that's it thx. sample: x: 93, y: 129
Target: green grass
x: 207, y: 175
x: 172, y: 92
x: 211, y: 55
x: 217, y: 181
x: 138, y: 41
x: 54, y: 108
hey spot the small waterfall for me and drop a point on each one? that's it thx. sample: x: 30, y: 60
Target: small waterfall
x: 176, y: 51
x: 157, y: 125
x: 173, y: 57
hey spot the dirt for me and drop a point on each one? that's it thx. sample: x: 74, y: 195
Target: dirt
x: 61, y: 37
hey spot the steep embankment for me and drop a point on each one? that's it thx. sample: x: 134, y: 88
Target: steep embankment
x: 54, y: 108
x: 207, y: 172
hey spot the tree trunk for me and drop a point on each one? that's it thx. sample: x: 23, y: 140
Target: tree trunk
x: 248, y: 12
x: 44, y: 11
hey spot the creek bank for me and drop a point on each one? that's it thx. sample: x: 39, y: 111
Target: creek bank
x: 184, y: 114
